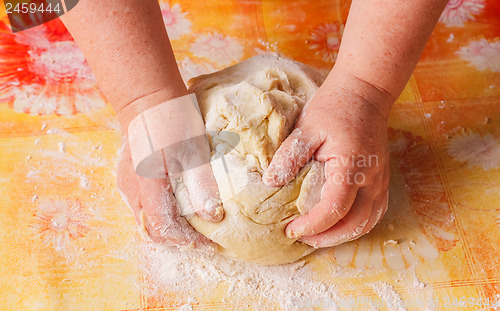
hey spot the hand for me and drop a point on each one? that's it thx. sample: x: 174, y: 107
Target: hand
x: 345, y: 127
x: 152, y: 199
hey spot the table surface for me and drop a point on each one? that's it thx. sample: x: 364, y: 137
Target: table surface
x: 69, y: 242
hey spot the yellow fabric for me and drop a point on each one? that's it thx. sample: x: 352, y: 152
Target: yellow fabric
x: 68, y: 241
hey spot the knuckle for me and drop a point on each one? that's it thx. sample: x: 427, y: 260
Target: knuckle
x: 160, y: 229
x: 361, y: 226
x: 125, y: 183
x: 338, y: 211
x: 357, y: 229
x: 205, y: 181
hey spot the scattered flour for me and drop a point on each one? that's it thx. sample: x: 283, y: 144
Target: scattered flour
x: 62, y: 147
x: 195, y: 273
x: 31, y: 174
x: 84, y: 182
x: 186, y: 307
x: 56, y: 131
x: 389, y: 296
x: 391, y: 242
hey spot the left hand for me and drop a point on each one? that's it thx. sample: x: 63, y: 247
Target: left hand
x: 345, y: 126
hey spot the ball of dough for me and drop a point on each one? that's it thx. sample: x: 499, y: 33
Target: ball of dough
x: 249, y: 109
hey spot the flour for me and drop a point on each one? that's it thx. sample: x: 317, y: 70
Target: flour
x: 56, y: 131
x: 31, y: 174
x: 389, y: 296
x: 84, y: 182
x: 390, y: 242
x: 186, y: 307
x: 62, y: 147
x: 194, y: 273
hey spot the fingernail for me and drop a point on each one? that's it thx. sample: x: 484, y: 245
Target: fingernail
x: 265, y: 177
x: 292, y: 234
x: 314, y: 243
x: 214, y: 209
x: 211, y: 206
x: 218, y: 214
x: 269, y: 178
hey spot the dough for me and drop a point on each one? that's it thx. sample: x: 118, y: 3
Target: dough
x: 249, y: 109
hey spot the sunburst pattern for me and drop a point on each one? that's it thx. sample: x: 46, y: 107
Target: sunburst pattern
x: 418, y: 223
x: 175, y: 20
x: 482, y: 54
x: 220, y: 49
x: 457, y: 12
x: 190, y: 69
x: 325, y: 40
x: 44, y: 72
x: 475, y: 150
x: 57, y: 222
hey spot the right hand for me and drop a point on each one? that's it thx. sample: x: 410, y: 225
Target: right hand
x: 153, y: 202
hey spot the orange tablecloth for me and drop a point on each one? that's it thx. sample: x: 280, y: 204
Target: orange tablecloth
x: 68, y: 241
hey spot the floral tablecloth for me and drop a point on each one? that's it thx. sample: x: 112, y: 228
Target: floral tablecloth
x: 68, y: 241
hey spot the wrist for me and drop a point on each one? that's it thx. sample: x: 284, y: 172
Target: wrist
x: 129, y: 111
x: 344, y: 80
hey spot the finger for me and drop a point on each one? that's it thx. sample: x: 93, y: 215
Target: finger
x: 127, y: 182
x: 337, y: 197
x: 133, y: 204
x: 293, y: 153
x: 193, y: 156
x: 380, y: 205
x: 204, y: 193
x: 162, y: 217
x: 349, y: 227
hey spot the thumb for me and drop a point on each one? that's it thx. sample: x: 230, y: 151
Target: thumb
x: 204, y: 192
x: 290, y: 157
x: 161, y: 217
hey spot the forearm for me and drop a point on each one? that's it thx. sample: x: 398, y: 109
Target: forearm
x: 383, y: 40
x: 127, y: 47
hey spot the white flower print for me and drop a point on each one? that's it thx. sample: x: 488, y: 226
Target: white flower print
x: 482, y: 54
x: 325, y: 41
x: 475, y: 150
x: 57, y: 222
x: 175, y: 20
x: 220, y: 49
x: 457, y: 12
x: 418, y: 224
x: 189, y: 69
x: 46, y: 73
